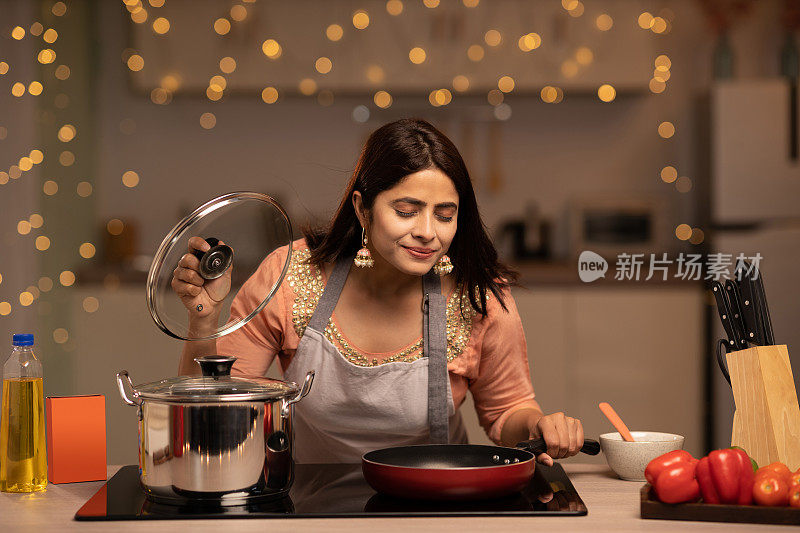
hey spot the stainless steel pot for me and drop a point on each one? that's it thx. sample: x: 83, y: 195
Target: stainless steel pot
x: 216, y: 438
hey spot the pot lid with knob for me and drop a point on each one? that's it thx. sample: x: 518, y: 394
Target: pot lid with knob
x: 242, y: 229
x: 215, y: 385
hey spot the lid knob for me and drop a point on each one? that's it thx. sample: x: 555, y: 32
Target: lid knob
x: 216, y: 260
x: 215, y: 365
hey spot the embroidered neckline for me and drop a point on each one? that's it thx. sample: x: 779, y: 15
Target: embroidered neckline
x: 307, y: 283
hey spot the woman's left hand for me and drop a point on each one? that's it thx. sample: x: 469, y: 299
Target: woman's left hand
x: 563, y: 435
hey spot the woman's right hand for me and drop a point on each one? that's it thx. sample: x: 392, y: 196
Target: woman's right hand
x: 203, y: 298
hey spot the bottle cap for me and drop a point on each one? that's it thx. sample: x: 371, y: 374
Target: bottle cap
x: 23, y: 339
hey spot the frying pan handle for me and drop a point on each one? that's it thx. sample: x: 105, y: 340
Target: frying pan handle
x: 537, y: 446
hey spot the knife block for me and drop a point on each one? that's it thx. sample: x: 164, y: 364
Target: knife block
x: 767, y: 418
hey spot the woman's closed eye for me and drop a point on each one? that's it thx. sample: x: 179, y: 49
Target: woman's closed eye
x: 407, y: 214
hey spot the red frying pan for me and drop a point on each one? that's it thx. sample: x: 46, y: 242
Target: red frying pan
x: 455, y: 471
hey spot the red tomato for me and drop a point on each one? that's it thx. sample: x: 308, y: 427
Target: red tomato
x: 794, y: 479
x: 779, y: 468
x: 771, y: 490
x: 794, y: 496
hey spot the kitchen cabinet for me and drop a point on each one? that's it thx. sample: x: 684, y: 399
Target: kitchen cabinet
x: 365, y: 61
x: 754, y: 178
x: 638, y: 348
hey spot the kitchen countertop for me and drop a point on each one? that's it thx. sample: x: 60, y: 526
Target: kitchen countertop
x: 613, y: 506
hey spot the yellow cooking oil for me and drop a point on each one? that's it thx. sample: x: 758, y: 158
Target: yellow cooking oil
x: 23, y: 453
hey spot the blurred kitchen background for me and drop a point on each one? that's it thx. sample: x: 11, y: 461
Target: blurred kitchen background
x: 636, y: 126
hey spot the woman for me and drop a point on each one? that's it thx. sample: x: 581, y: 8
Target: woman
x: 409, y: 213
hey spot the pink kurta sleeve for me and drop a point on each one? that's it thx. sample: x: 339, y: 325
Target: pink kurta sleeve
x: 504, y: 383
x: 256, y: 343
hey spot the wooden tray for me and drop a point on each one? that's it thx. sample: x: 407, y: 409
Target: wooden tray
x: 650, y: 507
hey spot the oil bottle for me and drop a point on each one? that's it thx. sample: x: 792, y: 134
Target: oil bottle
x: 23, y: 453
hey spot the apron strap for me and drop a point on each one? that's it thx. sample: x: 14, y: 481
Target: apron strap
x: 327, y: 302
x: 434, y: 339
x: 434, y: 332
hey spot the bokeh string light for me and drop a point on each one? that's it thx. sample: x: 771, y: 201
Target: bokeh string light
x: 207, y: 121
x: 382, y: 99
x: 42, y: 243
x: 475, y: 53
x: 62, y: 72
x: 115, y: 226
x: 238, y: 13
x: 506, y: 84
x: 269, y: 95
x: 130, y: 179
x: 361, y: 19
x: 323, y: 65
x: 461, y: 83
x: 222, y: 26
x: 495, y: 97
x: 493, y: 37
x: 84, y: 189
x: 394, y: 7
x: 91, y: 304
x: 87, y: 250
x: 417, y: 55
x: 529, y: 41
x: 334, y: 32
x: 66, y: 278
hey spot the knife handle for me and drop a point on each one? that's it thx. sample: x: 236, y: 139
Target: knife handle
x: 748, y: 304
x: 725, y: 314
x: 766, y: 321
x: 735, y: 307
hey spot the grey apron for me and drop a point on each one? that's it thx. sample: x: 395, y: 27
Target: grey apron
x: 353, y: 409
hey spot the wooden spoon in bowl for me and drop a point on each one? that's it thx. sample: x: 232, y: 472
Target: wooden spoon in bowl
x: 616, y: 421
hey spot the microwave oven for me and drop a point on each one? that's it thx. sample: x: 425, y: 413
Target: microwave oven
x: 619, y: 224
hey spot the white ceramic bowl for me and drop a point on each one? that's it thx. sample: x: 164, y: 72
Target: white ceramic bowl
x: 629, y: 459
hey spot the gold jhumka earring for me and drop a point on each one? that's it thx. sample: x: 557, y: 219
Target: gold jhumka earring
x: 443, y: 266
x: 363, y: 257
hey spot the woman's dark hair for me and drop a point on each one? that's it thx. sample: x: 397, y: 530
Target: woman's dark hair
x: 391, y: 153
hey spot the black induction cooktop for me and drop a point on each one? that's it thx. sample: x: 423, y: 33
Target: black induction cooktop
x: 332, y: 491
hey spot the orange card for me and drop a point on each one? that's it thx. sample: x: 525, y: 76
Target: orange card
x: 76, y: 438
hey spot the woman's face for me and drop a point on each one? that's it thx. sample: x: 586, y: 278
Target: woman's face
x: 414, y: 222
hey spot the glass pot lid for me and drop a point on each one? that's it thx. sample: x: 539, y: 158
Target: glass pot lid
x: 216, y: 385
x: 242, y: 229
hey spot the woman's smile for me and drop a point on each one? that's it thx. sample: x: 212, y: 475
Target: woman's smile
x: 420, y: 253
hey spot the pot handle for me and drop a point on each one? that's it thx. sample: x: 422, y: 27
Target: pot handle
x: 300, y: 395
x: 136, y: 400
